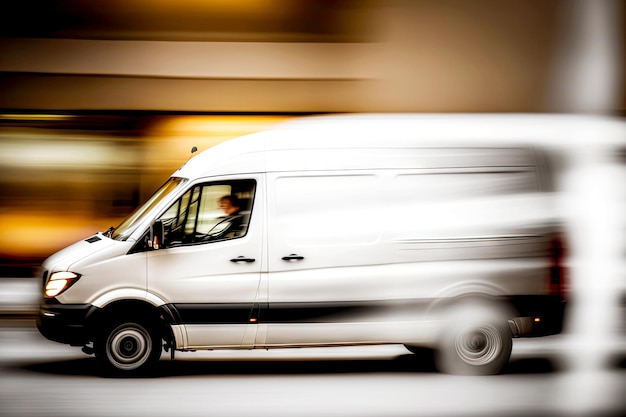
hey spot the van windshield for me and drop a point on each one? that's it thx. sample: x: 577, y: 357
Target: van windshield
x: 126, y: 228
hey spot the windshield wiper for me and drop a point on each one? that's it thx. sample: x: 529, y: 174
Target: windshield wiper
x: 109, y: 232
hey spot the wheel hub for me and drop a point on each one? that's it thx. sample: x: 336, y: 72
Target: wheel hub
x: 477, y: 342
x: 479, y: 346
x: 129, y: 346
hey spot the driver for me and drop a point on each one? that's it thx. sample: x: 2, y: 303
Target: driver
x: 231, y: 206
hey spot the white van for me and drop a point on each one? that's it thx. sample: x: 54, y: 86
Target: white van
x: 427, y: 231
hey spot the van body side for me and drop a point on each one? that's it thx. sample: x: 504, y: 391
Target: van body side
x: 377, y: 231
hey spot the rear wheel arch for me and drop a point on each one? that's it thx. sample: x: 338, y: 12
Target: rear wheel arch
x: 473, y: 335
x: 486, y: 303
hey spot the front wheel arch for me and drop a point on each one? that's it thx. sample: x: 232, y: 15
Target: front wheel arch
x: 128, y: 336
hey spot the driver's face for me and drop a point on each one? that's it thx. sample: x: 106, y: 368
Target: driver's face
x: 227, y: 207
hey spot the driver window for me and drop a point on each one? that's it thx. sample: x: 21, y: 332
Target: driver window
x: 209, y: 212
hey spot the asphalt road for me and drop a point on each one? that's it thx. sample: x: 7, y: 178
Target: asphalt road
x: 546, y: 377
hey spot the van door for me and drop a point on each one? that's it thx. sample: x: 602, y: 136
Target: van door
x: 323, y: 247
x: 210, y: 268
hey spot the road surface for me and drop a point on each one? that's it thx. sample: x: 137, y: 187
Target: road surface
x: 545, y: 378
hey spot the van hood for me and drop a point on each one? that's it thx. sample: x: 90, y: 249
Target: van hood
x: 65, y: 258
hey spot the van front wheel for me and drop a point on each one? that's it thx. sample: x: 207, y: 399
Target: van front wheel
x: 128, y: 348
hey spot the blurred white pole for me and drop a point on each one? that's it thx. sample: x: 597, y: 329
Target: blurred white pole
x: 586, y: 74
x: 586, y: 78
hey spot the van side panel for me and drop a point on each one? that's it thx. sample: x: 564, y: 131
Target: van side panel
x: 361, y: 256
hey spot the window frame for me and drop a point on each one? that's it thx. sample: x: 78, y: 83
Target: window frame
x: 238, y: 186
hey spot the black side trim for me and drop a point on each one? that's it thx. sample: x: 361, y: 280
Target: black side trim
x: 549, y: 308
x: 170, y: 314
x: 237, y: 313
x: 311, y: 312
x: 333, y: 312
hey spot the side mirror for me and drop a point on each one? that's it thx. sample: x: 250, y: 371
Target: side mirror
x: 157, y: 236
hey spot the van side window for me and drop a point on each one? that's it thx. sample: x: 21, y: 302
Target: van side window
x: 209, y: 212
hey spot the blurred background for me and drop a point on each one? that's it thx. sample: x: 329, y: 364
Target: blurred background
x: 100, y: 101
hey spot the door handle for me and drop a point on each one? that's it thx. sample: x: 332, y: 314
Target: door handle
x: 293, y: 257
x: 242, y: 259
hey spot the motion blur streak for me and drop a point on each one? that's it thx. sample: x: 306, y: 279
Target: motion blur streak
x: 61, y: 185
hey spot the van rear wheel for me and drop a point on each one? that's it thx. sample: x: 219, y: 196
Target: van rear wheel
x: 128, y: 348
x: 478, y: 345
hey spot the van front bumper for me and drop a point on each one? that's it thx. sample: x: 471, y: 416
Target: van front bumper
x: 64, y: 323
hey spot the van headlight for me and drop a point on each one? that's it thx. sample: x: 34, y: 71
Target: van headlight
x: 59, y: 282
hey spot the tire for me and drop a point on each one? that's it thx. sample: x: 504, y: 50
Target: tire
x: 128, y: 348
x: 480, y: 345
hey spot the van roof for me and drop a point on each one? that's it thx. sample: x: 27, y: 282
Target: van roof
x: 504, y: 128
x: 399, y: 131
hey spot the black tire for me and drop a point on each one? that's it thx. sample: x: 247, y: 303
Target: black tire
x: 475, y: 345
x: 128, y: 348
